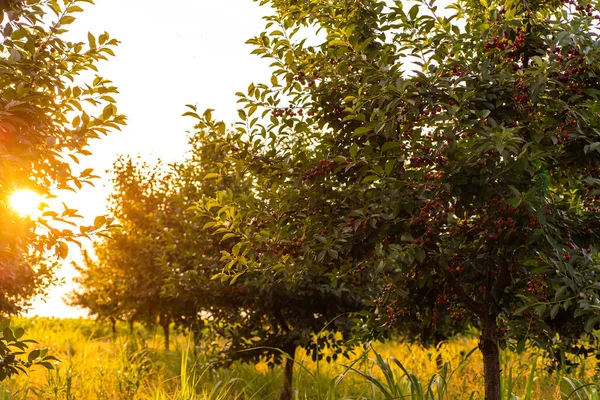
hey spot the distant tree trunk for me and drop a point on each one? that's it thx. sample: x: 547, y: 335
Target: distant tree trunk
x: 488, y: 344
x: 130, y: 322
x: 113, y: 326
x: 439, y: 361
x: 288, y: 373
x: 196, y: 336
x: 164, y: 322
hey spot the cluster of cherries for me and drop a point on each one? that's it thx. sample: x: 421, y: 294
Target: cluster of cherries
x: 304, y: 79
x: 430, y: 217
x: 357, y: 271
x: 282, y: 248
x: 459, y: 71
x: 564, y: 130
x: 592, y: 202
x: 587, y: 10
x: 501, y: 43
x: 389, y: 301
x: 232, y: 289
x: 324, y: 167
x: 434, y: 175
x: 362, y: 225
x: 288, y: 111
x: 505, y: 218
x: 538, y: 288
x: 589, y: 171
x: 523, y: 97
x: 43, y: 46
x: 418, y: 161
x: 573, y: 76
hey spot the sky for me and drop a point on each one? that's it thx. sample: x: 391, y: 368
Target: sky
x: 171, y: 54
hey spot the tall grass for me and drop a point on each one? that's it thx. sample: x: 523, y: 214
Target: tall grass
x: 94, y: 365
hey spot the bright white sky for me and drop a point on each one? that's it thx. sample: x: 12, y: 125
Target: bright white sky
x: 171, y: 54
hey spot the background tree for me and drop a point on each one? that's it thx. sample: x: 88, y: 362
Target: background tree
x: 44, y: 130
x: 261, y: 316
x: 101, y: 290
x: 126, y: 278
x: 161, y: 265
x: 464, y: 190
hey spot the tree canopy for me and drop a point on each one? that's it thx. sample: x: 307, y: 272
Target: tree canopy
x: 49, y: 114
x: 445, y: 160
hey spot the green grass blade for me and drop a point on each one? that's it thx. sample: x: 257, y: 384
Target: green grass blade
x: 375, y: 382
x: 530, y: 380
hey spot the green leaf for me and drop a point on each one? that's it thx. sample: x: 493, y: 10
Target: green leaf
x: 18, y: 34
x: 554, y: 310
x: 407, y: 237
x: 99, y: 221
x: 390, y: 145
x: 389, y: 166
x: 362, y: 130
x: 19, y: 332
x: 8, y: 334
x: 589, y: 325
x: 594, y: 146
x: 67, y: 19
x: 562, y: 38
x: 370, y: 178
x: 412, y: 13
x: 420, y: 254
x: 33, y: 355
x: 62, y: 250
x: 337, y: 43
x: 353, y: 150
x: 228, y: 236
x: 91, y: 40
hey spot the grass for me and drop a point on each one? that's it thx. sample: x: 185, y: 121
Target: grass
x: 94, y: 365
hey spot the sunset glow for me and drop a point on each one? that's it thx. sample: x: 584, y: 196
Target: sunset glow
x: 26, y: 202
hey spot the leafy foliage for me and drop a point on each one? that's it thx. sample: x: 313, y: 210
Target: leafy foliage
x: 161, y: 263
x: 48, y: 115
x: 445, y: 160
x: 124, y: 276
x: 45, y: 126
x: 13, y: 351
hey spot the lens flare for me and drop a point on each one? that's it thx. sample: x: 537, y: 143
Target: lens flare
x: 26, y: 203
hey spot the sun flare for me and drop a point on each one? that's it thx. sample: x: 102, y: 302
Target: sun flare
x: 26, y: 202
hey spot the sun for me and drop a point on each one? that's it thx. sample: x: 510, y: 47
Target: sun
x: 26, y: 202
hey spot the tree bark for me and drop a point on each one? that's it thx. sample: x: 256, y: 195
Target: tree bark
x: 197, y: 337
x: 164, y: 323
x: 113, y: 326
x: 130, y: 322
x: 288, y: 374
x: 488, y: 344
x: 439, y: 361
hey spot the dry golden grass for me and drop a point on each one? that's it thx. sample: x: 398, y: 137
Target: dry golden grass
x: 96, y: 366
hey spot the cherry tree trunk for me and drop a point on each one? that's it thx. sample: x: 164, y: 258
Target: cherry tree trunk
x: 197, y: 336
x: 288, y: 374
x: 439, y: 361
x: 488, y: 344
x: 164, y: 323
x: 113, y: 326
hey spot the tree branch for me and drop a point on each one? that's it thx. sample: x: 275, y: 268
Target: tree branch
x: 477, y: 308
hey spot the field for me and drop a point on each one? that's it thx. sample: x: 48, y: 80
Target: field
x: 94, y: 365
